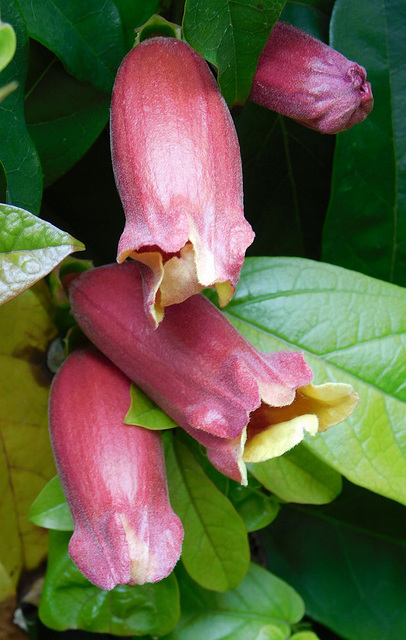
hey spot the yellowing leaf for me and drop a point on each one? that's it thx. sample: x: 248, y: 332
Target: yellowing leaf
x: 26, y: 461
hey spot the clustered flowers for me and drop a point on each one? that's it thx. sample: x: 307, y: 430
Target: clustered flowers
x: 178, y: 171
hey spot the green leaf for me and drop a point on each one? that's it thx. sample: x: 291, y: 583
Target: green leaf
x: 135, y: 14
x: 64, y: 116
x: 347, y: 560
x: 305, y: 635
x: 286, y: 170
x: 8, y: 42
x: 50, y: 509
x: 298, y: 476
x: 86, y: 36
x: 262, y: 607
x: 231, y: 35
x: 366, y: 222
x: 18, y: 156
x: 26, y: 461
x: 256, y: 508
x: 70, y: 601
x: 29, y: 249
x: 215, y: 547
x: 312, y: 16
x: 143, y: 412
x: 351, y: 329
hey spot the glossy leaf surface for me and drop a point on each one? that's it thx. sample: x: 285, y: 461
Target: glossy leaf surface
x: 262, y: 606
x: 299, y: 476
x: 29, y: 249
x: 25, y: 332
x: 215, y: 547
x: 70, y: 601
x: 346, y: 554
x: 366, y: 223
x: 231, y: 35
x: 87, y: 37
x: 351, y: 328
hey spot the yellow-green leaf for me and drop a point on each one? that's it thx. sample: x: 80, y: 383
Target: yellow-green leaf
x: 26, y: 461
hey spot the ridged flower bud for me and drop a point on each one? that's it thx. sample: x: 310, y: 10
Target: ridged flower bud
x: 113, y: 477
x: 238, y: 402
x: 301, y: 77
x: 177, y: 166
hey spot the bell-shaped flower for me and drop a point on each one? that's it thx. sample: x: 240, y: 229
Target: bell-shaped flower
x: 301, y: 77
x: 113, y: 477
x: 177, y: 167
x: 238, y: 402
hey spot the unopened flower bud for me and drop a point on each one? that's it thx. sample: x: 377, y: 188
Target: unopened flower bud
x: 301, y: 77
x: 113, y: 477
x: 177, y: 166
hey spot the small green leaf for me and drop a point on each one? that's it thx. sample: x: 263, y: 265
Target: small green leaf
x: 305, y: 635
x: 70, y: 601
x: 215, y: 547
x: 144, y: 412
x: 256, y: 508
x: 231, y: 35
x: 299, y: 476
x: 262, y: 607
x: 8, y: 42
x: 29, y: 249
x: 50, y: 509
x: 86, y: 36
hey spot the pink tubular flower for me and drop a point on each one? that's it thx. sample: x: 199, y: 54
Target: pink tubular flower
x: 243, y: 405
x: 113, y: 477
x: 305, y: 79
x: 178, y: 171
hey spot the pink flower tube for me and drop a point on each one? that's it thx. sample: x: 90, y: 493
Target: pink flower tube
x: 243, y: 405
x: 301, y: 77
x: 113, y: 477
x: 177, y: 166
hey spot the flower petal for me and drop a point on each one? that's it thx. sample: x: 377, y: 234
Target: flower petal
x: 113, y: 476
x: 178, y: 170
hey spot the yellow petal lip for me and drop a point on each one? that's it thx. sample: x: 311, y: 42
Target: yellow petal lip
x: 333, y: 402
x: 279, y: 438
x: 275, y: 430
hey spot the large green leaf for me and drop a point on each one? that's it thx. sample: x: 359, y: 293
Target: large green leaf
x: 18, y: 156
x: 351, y: 328
x: 262, y: 607
x: 299, y: 476
x: 366, y: 224
x: 286, y: 171
x: 86, y: 36
x: 70, y: 601
x: 26, y: 461
x: 215, y: 547
x: 64, y: 116
x: 348, y: 561
x: 231, y: 35
x: 29, y: 249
